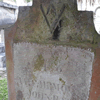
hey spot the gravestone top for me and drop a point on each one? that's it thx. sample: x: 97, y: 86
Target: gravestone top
x: 67, y: 25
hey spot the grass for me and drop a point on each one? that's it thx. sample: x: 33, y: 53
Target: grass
x: 3, y: 89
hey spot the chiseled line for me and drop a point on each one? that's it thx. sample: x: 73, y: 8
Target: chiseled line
x: 56, y: 22
x: 45, y: 16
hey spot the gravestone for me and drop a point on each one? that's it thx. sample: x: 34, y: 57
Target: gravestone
x: 49, y: 52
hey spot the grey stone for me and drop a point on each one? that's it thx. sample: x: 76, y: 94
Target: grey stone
x: 3, y: 4
x: 6, y: 18
x: 47, y: 72
x: 7, y: 15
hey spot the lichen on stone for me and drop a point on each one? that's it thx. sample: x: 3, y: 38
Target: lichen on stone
x: 76, y: 27
x: 61, y: 80
x: 39, y: 63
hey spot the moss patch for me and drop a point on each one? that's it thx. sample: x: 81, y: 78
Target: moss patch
x: 55, y: 60
x: 63, y: 82
x: 66, y: 57
x: 34, y: 77
x: 39, y: 63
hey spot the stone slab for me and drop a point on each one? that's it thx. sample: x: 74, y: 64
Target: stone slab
x: 7, y: 17
x: 48, y: 72
x: 3, y: 4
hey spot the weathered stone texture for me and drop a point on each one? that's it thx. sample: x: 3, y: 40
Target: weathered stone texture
x: 76, y: 26
x: 7, y: 15
x: 47, y: 72
x: 50, y: 69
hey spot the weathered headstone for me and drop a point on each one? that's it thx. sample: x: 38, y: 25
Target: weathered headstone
x: 49, y: 52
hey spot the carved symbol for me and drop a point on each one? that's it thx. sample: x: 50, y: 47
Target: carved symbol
x: 57, y: 19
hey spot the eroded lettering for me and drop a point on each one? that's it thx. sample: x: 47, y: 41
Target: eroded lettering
x: 51, y: 86
x: 48, y: 85
x: 37, y: 95
x: 42, y: 96
x: 55, y: 97
x: 46, y: 90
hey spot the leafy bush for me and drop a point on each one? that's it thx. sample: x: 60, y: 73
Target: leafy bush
x: 3, y: 89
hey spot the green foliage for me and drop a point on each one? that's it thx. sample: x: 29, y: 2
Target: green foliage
x: 25, y: 0
x: 28, y: 0
x: 3, y: 89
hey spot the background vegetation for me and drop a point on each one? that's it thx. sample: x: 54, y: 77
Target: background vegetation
x: 3, y: 89
x: 25, y: 0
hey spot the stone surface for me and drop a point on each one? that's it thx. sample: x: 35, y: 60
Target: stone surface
x: 7, y: 18
x: 48, y: 72
x: 40, y: 70
x: 7, y: 15
x: 76, y: 26
x: 3, y: 4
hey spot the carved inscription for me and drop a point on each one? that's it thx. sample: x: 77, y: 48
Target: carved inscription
x: 42, y: 96
x: 51, y: 87
x: 54, y: 25
x: 65, y: 75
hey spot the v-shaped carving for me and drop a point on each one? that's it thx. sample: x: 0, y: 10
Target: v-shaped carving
x: 53, y: 26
